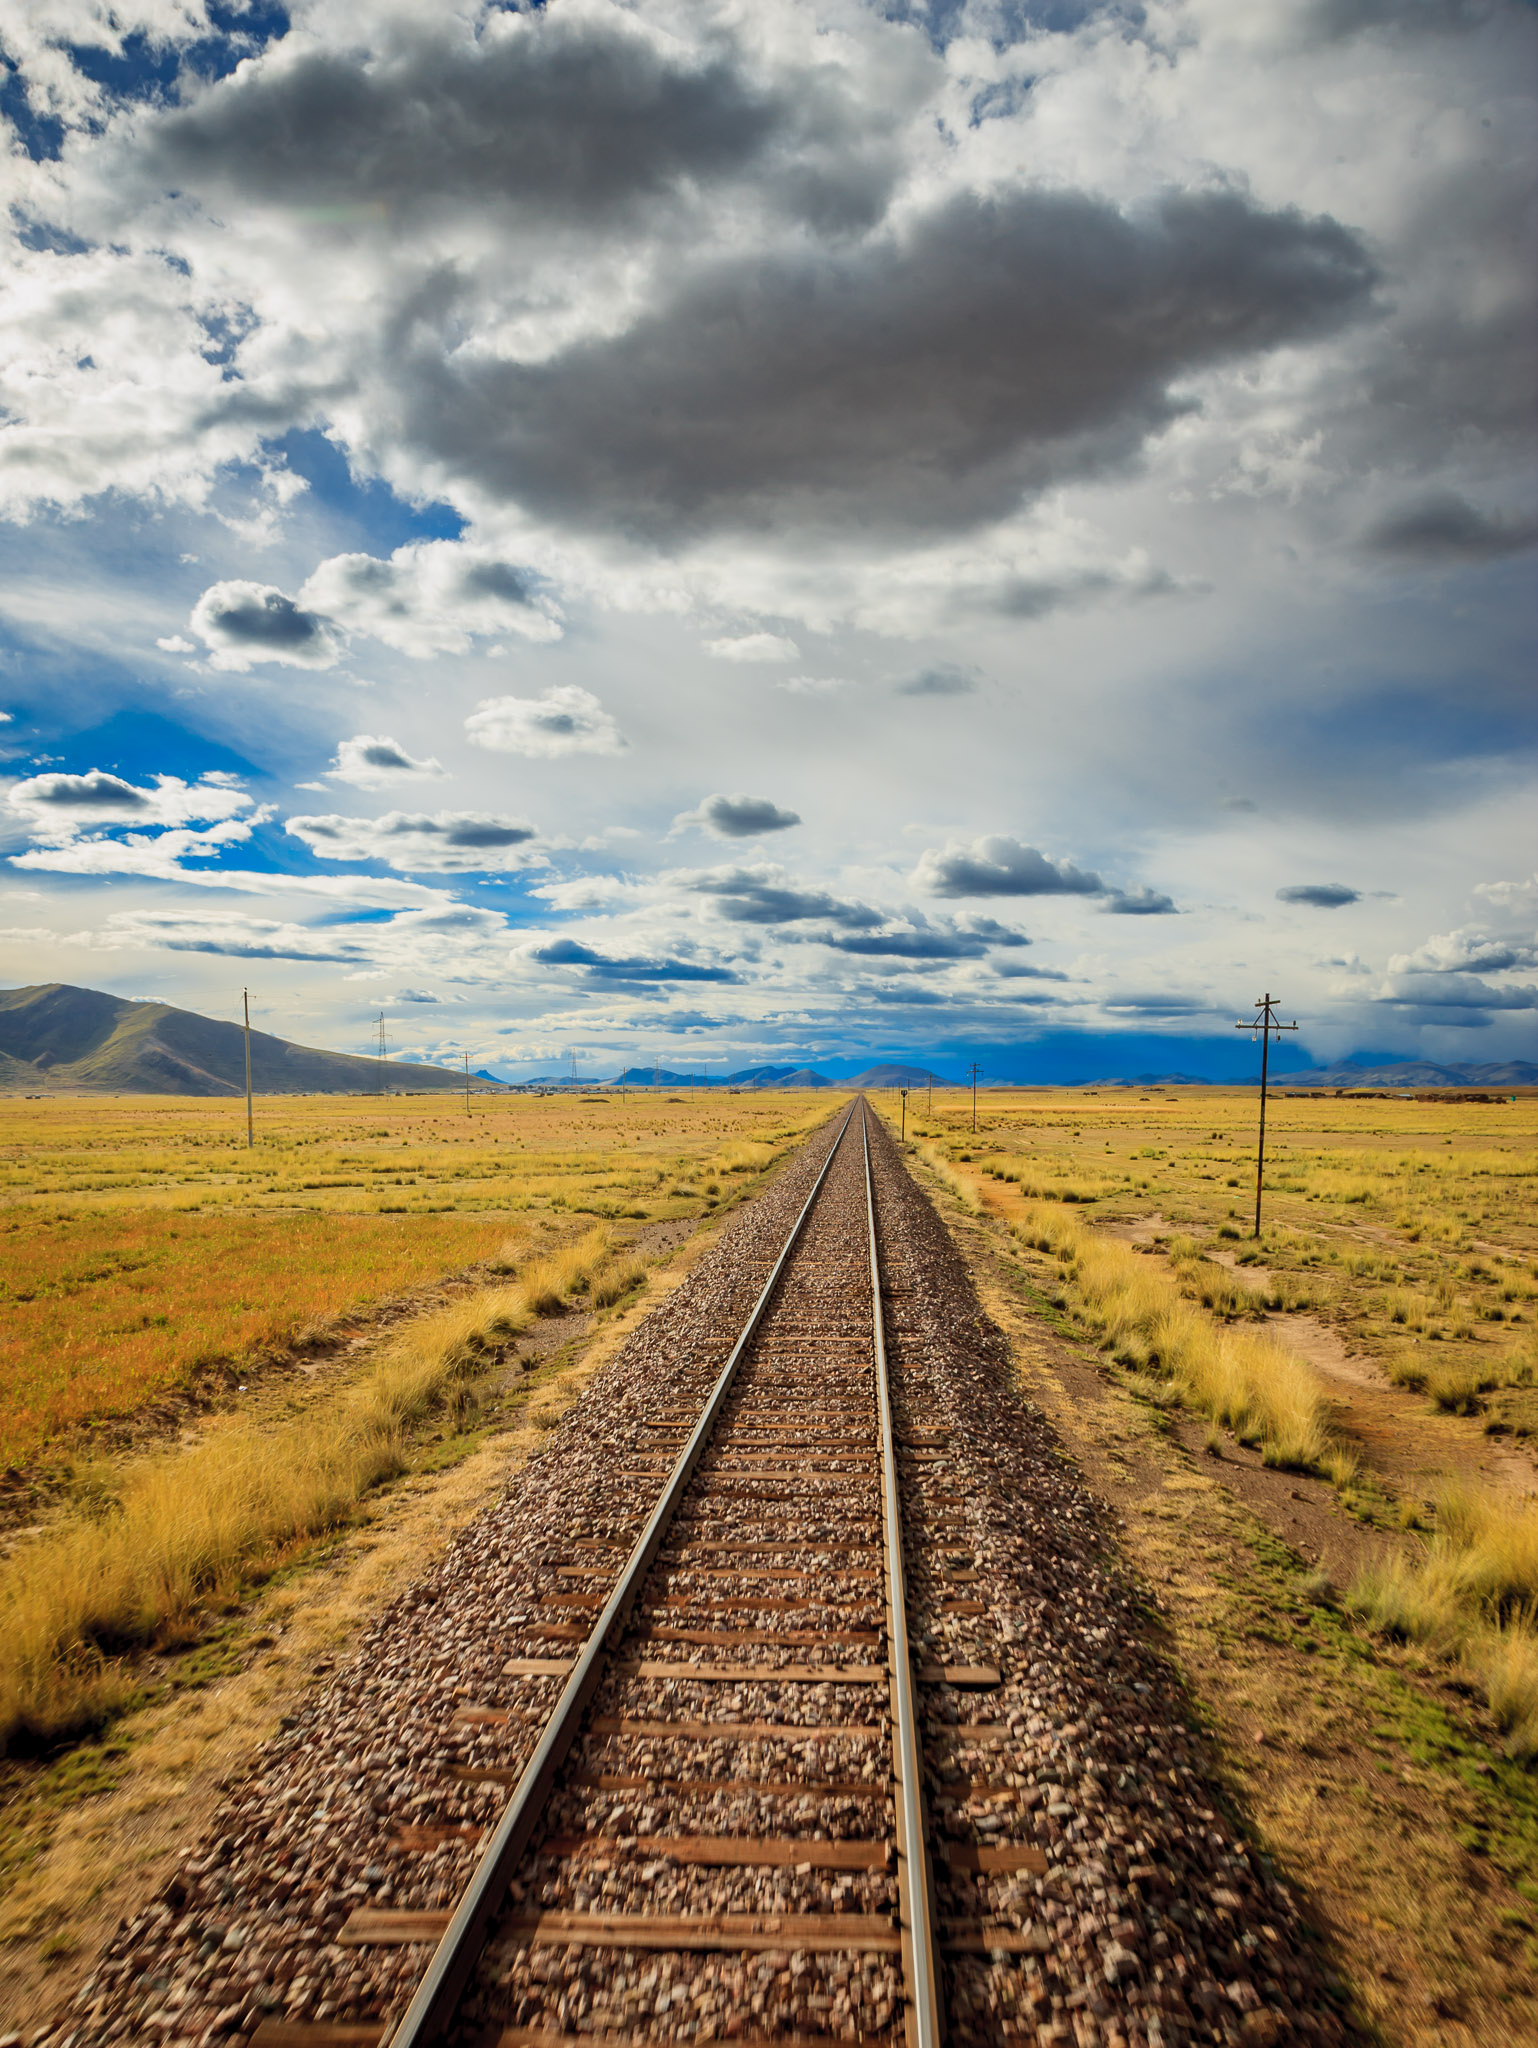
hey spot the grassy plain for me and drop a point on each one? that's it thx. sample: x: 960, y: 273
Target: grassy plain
x: 148, y: 1245
x: 1252, y: 1409
x: 141, y: 1241
x: 1401, y: 1240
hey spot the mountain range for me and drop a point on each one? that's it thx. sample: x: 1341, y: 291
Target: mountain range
x: 780, y: 1077
x: 1349, y: 1073
x: 59, y: 1039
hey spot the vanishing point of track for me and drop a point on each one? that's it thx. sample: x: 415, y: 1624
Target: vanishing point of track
x: 773, y: 1557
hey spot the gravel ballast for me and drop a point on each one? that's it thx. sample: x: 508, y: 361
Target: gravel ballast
x: 1140, y: 1915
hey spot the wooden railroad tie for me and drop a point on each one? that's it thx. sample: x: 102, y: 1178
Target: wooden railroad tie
x: 317, y: 2034
x: 969, y: 1677
x: 747, y: 1851
x: 988, y: 1862
x: 724, y: 1674
x: 798, y: 1638
x: 424, y: 1837
x: 385, y: 1927
x: 538, y: 2037
x: 789, y: 1788
x: 733, y: 1731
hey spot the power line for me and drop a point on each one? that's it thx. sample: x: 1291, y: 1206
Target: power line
x: 973, y: 1073
x: 1265, y: 1023
x: 245, y: 998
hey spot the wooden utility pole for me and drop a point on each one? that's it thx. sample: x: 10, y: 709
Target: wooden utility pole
x: 972, y: 1074
x: 467, y: 1084
x: 384, y: 1086
x: 245, y: 997
x: 1265, y: 1023
x: 904, y: 1094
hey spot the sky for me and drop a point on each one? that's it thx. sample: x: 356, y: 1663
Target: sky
x: 725, y: 533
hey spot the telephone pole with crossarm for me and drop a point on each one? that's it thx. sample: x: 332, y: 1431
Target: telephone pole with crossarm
x: 1264, y: 1022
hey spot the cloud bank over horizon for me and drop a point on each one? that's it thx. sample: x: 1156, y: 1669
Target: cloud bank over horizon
x: 1060, y: 481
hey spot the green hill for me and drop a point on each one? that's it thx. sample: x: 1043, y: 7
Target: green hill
x: 56, y: 1037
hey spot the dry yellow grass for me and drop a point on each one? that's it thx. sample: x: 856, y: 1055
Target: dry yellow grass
x: 1243, y: 1379
x: 140, y: 1240
x: 188, y: 1527
x: 1472, y: 1594
x: 1407, y: 1227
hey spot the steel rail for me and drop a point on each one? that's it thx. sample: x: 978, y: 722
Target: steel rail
x: 438, y: 1993
x: 925, y: 2017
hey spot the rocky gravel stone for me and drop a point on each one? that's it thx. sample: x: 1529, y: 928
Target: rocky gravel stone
x: 1090, y: 1883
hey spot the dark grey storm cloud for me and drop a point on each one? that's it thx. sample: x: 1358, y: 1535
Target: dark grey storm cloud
x: 945, y: 681
x: 94, y: 791
x: 1322, y: 895
x: 908, y: 945
x: 462, y: 828
x: 995, y: 933
x: 554, y: 118
x: 449, y: 842
x: 739, y: 817
x: 999, y: 866
x: 1339, y: 20
x: 1433, y: 993
x: 604, y: 967
x: 749, y: 898
x: 1141, y: 903
x: 262, y: 620
x: 921, y: 381
x: 256, y: 949
x: 473, y: 831
x: 385, y: 754
x: 1443, y: 527
x: 271, y: 621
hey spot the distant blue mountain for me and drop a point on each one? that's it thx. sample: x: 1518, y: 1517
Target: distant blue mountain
x: 1357, y: 1073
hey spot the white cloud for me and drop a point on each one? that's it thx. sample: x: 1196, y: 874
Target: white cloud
x: 1517, y: 896
x: 737, y: 817
x: 812, y: 686
x: 563, y: 720
x: 374, y: 761
x: 58, y: 807
x: 1469, y: 951
x: 244, y: 623
x: 1000, y: 866
x: 138, y: 853
x: 442, y: 842
x: 176, y: 644
x: 432, y: 597
x: 754, y: 647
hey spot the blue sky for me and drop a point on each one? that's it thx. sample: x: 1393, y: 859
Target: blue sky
x: 797, y: 531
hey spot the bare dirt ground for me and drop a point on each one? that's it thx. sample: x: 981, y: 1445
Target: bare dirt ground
x: 1396, y: 1435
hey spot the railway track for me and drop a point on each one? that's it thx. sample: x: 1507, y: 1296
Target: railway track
x: 762, y: 1606
x: 647, y: 1757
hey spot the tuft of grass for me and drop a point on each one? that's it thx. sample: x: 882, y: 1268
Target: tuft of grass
x: 1471, y: 1595
x: 1243, y: 1379
x: 958, y: 1184
x: 744, y: 1156
x: 615, y: 1279
x: 1505, y: 1662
